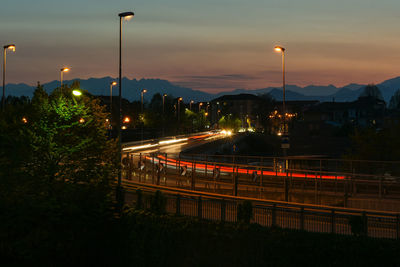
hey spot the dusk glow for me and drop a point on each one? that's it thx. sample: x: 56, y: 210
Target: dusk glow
x: 206, y: 45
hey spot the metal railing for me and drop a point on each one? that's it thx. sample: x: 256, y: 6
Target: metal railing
x: 266, y: 182
x: 309, y: 218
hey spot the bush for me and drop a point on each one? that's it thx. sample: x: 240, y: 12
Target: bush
x: 357, y: 224
x: 139, y: 200
x: 245, y: 212
x: 158, y: 203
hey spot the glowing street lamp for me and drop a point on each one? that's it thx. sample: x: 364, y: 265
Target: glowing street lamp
x: 125, y: 16
x: 179, y: 108
x: 200, y: 104
x: 163, y: 113
x: 10, y: 47
x: 127, y: 120
x: 141, y: 95
x: 190, y: 106
x: 281, y: 50
x: 163, y: 103
x: 76, y: 93
x: 113, y: 83
x: 66, y: 69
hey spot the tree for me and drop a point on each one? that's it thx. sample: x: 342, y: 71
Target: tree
x: 56, y: 172
x: 230, y: 122
x: 372, y: 90
x: 395, y: 100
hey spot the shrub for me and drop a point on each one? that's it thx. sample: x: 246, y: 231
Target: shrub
x: 139, y: 200
x: 245, y: 212
x: 158, y: 203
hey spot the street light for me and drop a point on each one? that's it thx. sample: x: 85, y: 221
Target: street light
x: 65, y: 69
x: 163, y: 114
x: 190, y: 106
x: 179, y: 108
x: 141, y: 95
x: 200, y: 104
x: 142, y: 108
x: 113, y: 83
x: 163, y: 103
x: 126, y: 16
x: 12, y: 48
x: 282, y: 51
x: 76, y: 92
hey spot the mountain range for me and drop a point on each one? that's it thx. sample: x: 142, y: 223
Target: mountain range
x: 132, y: 88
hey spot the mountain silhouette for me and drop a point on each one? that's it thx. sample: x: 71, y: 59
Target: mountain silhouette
x: 132, y: 88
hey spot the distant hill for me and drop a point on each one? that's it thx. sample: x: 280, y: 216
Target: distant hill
x: 132, y: 88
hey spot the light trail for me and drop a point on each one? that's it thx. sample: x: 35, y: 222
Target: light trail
x: 201, y: 166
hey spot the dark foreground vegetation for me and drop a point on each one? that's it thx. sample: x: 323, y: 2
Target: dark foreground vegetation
x: 148, y: 238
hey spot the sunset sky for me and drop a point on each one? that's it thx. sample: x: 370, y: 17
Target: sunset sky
x: 209, y: 45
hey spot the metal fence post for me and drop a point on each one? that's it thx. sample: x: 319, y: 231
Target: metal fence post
x: 199, y: 208
x: 205, y: 169
x: 193, y: 181
x: 286, y: 182
x: 302, y: 218
x: 333, y: 222
x: 397, y: 226
x: 235, y: 183
x: 365, y: 223
x: 140, y: 166
x: 273, y: 214
x: 152, y: 169
x: 178, y: 204
x: 223, y: 210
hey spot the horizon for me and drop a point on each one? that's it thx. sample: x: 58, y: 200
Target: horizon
x: 217, y: 92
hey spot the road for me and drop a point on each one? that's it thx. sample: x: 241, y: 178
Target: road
x: 158, y: 162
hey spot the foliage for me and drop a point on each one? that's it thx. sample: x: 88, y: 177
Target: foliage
x: 139, y: 200
x: 230, y: 122
x: 357, y: 224
x: 395, y: 101
x: 370, y: 144
x: 245, y: 212
x: 56, y: 171
x: 158, y: 203
x: 372, y: 90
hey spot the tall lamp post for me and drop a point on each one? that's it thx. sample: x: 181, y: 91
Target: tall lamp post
x: 142, y: 108
x: 190, y: 106
x: 179, y: 110
x: 200, y: 104
x: 126, y: 16
x: 113, y: 83
x: 163, y: 114
x: 141, y: 96
x: 65, y: 69
x: 12, y: 48
x: 282, y: 51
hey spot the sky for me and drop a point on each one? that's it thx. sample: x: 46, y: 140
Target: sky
x: 208, y: 45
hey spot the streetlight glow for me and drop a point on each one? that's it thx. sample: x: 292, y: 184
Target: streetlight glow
x: 127, y: 120
x: 76, y: 93
x: 279, y: 48
x: 10, y: 47
x: 65, y: 69
x: 114, y: 83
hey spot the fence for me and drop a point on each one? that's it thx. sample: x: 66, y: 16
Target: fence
x: 291, y: 216
x: 284, y: 182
